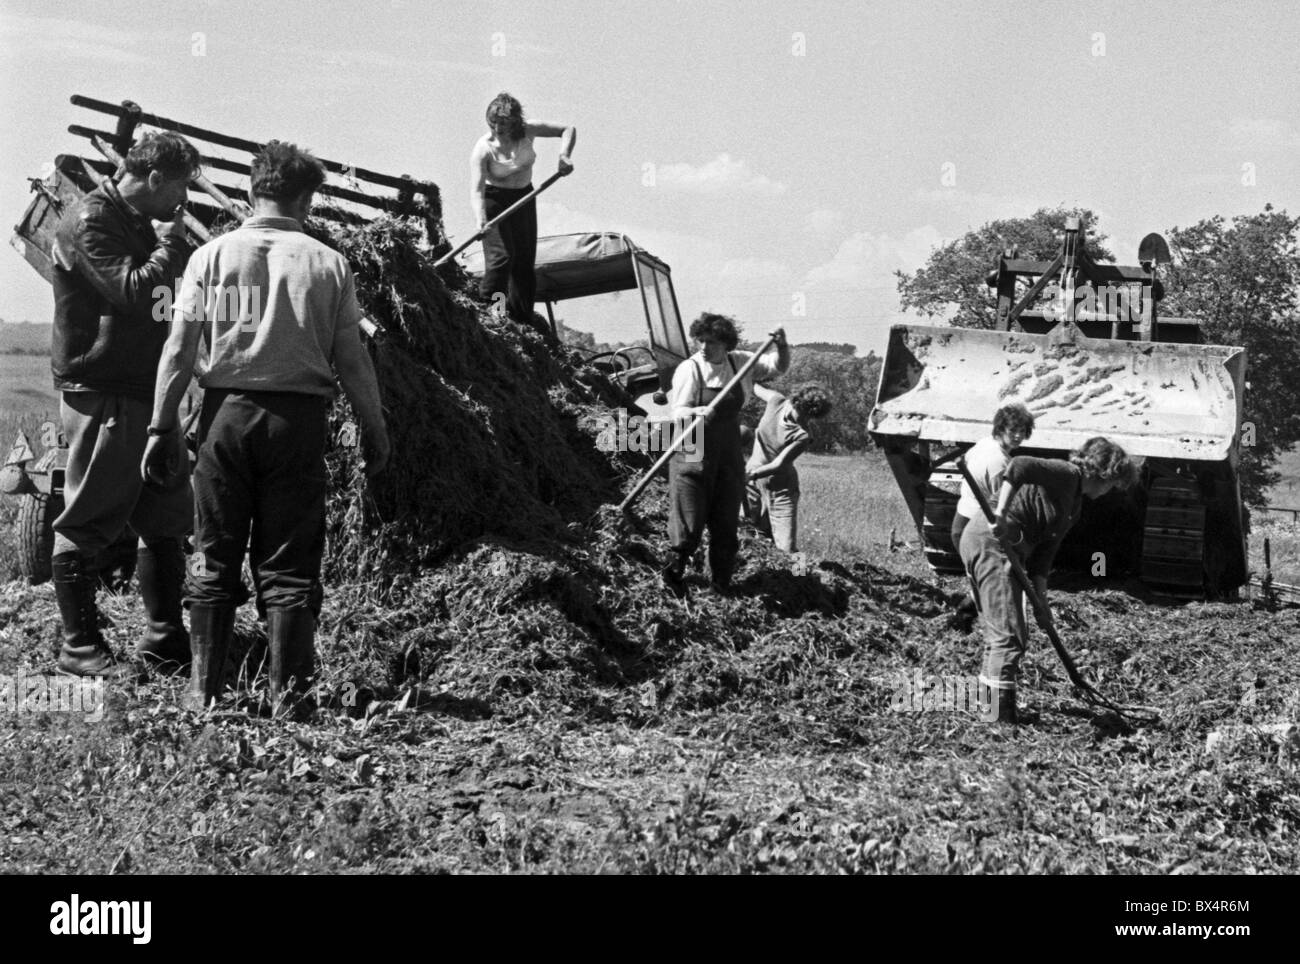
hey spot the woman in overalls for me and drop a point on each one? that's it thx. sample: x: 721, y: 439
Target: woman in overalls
x: 706, y: 484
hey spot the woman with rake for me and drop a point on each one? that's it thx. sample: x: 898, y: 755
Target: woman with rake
x: 501, y: 172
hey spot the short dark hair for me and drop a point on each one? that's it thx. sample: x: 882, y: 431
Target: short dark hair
x: 718, y: 328
x: 282, y: 172
x: 166, y: 152
x: 505, y: 108
x: 811, y: 400
x: 1013, y: 415
x: 1100, y: 458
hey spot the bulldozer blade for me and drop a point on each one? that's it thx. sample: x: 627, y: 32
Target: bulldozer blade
x: 1157, y: 400
x: 1154, y: 248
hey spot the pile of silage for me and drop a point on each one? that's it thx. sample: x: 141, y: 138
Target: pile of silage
x: 490, y: 430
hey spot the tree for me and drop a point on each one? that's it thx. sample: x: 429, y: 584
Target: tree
x: 838, y: 348
x: 952, y: 282
x: 851, y: 383
x: 1242, y: 281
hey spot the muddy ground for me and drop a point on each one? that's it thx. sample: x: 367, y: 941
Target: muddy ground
x: 529, y: 710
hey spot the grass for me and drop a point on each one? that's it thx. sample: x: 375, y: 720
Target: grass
x: 28, y: 386
x: 850, y: 503
x: 528, y: 725
x: 522, y: 709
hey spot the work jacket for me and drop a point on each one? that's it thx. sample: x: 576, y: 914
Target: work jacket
x: 113, y: 282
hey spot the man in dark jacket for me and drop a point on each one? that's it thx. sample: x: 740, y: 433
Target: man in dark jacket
x: 112, y: 268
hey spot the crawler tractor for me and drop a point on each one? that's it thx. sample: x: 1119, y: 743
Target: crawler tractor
x: 1082, y: 346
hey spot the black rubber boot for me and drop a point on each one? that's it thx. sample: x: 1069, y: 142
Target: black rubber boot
x: 291, y: 635
x: 998, y: 705
x: 165, y: 646
x: 211, y: 629
x: 674, y: 574
x: 84, y: 652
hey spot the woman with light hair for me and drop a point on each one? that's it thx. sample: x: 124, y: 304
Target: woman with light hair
x: 1038, y: 502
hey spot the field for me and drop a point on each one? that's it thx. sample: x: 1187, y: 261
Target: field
x: 764, y: 742
x: 529, y: 708
x: 27, y: 386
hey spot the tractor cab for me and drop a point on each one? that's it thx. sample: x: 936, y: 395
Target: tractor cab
x: 572, y: 266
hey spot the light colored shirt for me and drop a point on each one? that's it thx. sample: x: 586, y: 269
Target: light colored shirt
x: 987, y: 463
x: 272, y: 301
x: 686, y: 392
x: 778, y: 429
x: 508, y: 169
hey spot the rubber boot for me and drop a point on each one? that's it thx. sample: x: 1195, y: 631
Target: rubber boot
x: 211, y: 629
x: 674, y: 574
x: 84, y: 652
x: 165, y: 646
x: 291, y: 636
x: 997, y: 704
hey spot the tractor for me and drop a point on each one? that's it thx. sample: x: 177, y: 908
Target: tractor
x: 1082, y: 344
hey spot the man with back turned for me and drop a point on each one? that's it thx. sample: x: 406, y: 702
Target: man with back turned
x: 277, y: 311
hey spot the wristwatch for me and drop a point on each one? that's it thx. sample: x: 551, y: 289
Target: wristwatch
x: 155, y: 432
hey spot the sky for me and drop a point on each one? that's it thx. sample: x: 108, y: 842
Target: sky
x: 784, y: 158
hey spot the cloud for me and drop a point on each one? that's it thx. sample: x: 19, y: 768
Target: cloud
x: 1262, y: 134
x: 824, y: 221
x: 66, y: 40
x: 742, y: 271
x: 853, y: 297
x: 722, y: 175
x: 968, y: 209
x: 866, y: 260
x: 519, y: 45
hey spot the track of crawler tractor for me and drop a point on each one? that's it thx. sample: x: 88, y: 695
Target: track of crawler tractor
x: 1173, y: 538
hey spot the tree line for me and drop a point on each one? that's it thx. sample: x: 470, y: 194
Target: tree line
x: 1240, y: 277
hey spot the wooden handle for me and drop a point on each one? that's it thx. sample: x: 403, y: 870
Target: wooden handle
x: 672, y: 449
x: 1022, y: 576
x: 498, y: 219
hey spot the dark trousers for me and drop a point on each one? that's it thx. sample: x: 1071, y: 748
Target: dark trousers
x: 707, y: 494
x: 509, y: 254
x: 260, y: 471
x: 102, y: 488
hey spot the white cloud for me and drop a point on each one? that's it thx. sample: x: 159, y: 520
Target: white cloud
x: 68, y: 40
x: 755, y: 270
x: 824, y: 221
x: 969, y: 209
x: 853, y: 297
x: 722, y: 175
x: 866, y: 260
x: 345, y: 59
x: 1262, y: 134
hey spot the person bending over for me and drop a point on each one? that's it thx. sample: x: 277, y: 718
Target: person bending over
x: 1038, y: 502
x: 772, y: 497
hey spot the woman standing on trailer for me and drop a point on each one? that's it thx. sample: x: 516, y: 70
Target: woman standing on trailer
x: 501, y: 172
x: 707, y: 487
